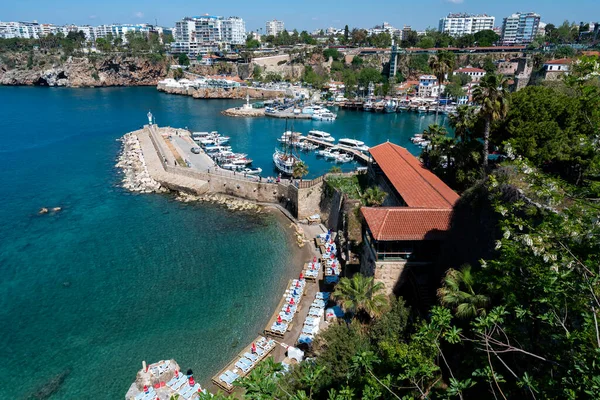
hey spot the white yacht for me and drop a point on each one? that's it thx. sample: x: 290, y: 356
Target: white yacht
x: 353, y: 144
x: 320, y: 135
x: 344, y: 158
x: 324, y: 116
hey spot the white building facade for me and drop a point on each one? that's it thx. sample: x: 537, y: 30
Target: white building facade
x: 520, y: 28
x: 464, y: 24
x: 205, y: 34
x: 428, y: 86
x: 274, y: 27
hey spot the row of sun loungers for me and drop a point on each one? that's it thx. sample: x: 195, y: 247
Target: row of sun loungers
x: 313, y: 320
x: 292, y: 296
x: 245, y: 363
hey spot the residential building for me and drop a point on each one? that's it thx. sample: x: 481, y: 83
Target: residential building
x: 405, y: 32
x: 414, y: 221
x: 428, y: 86
x: 274, y: 27
x: 464, y: 24
x: 520, y: 28
x: 556, y: 69
x: 384, y: 28
x: 475, y: 73
x: 205, y: 34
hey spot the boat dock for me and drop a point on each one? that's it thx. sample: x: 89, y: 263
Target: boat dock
x: 358, y: 155
x: 274, y: 334
x: 288, y: 114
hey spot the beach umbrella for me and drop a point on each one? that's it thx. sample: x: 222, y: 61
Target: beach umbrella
x: 192, y: 382
x: 253, y: 348
x: 146, y: 389
x: 301, y: 276
x: 176, y: 374
x: 315, y: 259
x: 279, y: 317
x: 292, y: 302
x: 332, y: 256
x: 312, y: 266
x: 288, y: 309
x: 298, y: 284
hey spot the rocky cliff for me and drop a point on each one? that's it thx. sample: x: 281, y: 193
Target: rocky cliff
x: 82, y: 71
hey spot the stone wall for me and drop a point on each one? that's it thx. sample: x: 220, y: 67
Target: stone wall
x: 309, y: 200
x: 261, y: 192
x: 221, y: 93
x: 387, y: 272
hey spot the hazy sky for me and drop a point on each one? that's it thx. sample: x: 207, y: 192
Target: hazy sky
x: 302, y: 14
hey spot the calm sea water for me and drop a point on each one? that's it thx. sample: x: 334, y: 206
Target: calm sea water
x: 115, y: 278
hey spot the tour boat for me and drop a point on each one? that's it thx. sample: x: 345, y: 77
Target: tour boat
x: 285, y: 162
x: 324, y: 116
x: 232, y: 167
x: 353, y: 144
x: 331, y: 155
x: 320, y: 135
x: 304, y: 145
x: 368, y: 106
x: 421, y: 109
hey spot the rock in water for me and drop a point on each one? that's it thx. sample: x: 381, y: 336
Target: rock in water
x: 48, y: 388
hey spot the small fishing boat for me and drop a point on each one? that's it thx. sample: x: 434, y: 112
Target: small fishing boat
x: 250, y: 171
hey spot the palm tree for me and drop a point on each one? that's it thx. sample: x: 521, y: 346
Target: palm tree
x: 361, y: 294
x: 457, y: 292
x: 462, y: 122
x: 300, y: 169
x: 492, y: 96
x: 374, y: 197
x: 441, y: 65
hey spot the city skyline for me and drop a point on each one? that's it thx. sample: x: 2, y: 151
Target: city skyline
x: 312, y: 15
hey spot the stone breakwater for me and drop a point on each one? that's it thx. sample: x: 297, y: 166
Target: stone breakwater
x: 240, y: 112
x: 136, y: 177
x: 222, y: 93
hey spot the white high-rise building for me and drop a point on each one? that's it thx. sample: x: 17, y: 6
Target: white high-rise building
x: 520, y: 28
x: 274, y: 27
x: 200, y: 35
x: 464, y: 24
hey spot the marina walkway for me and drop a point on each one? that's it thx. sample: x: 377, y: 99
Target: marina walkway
x: 358, y: 155
x: 156, y: 166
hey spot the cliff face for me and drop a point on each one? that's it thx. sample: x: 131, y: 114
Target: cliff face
x: 83, y: 71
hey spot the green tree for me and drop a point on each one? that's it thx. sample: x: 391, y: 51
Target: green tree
x: 486, y: 38
x: 357, y: 61
x: 300, y: 169
x: 463, y: 122
x: 346, y: 33
x: 374, y: 196
x: 441, y: 65
x: 465, y: 41
x: 361, y: 295
x: 178, y: 74
x: 252, y: 43
x: 183, y: 59
x: 458, y: 292
x: 492, y: 97
x: 367, y: 75
x: 332, y: 53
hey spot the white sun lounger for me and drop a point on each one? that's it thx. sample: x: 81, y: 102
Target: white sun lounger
x: 244, y: 367
x: 179, y: 384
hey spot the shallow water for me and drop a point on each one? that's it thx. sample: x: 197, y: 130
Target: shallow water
x: 114, y: 278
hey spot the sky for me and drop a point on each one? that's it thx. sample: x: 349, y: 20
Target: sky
x: 302, y: 15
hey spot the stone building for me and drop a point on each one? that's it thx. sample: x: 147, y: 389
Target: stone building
x: 410, y: 229
x: 556, y: 69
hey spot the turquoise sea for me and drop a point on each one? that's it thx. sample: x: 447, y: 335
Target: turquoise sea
x: 115, y: 278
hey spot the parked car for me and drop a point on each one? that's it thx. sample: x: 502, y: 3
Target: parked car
x: 195, y: 150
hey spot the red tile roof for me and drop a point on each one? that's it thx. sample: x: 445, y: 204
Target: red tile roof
x: 560, y: 61
x: 404, y: 223
x: 417, y: 186
x: 469, y: 69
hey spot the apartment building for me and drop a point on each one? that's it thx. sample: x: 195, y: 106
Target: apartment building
x: 201, y: 35
x: 464, y: 24
x: 274, y: 27
x: 520, y: 28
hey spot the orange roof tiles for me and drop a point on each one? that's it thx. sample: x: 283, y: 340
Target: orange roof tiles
x: 560, y: 61
x: 404, y: 223
x: 417, y: 186
x: 469, y: 69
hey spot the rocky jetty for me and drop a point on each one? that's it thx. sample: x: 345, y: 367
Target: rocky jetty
x: 243, y: 112
x: 136, y: 177
x: 231, y: 203
x: 84, y: 72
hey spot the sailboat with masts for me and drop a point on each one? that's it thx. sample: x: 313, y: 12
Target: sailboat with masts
x: 285, y: 160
